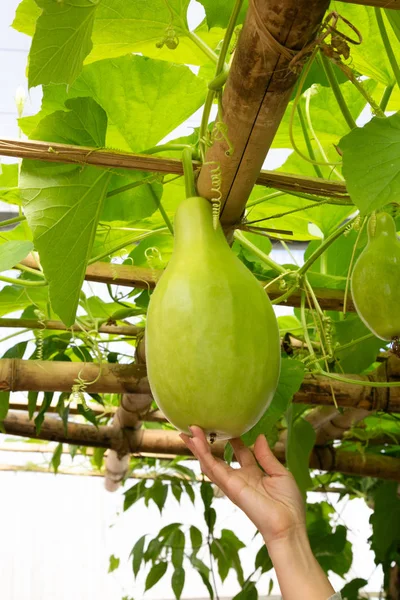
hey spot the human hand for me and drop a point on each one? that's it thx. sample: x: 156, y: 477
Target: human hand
x: 270, y: 499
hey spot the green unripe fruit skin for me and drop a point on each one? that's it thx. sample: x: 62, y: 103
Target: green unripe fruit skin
x: 212, y: 340
x: 375, y: 281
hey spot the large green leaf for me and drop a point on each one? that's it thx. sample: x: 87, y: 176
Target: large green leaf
x: 300, y: 441
x: 144, y: 99
x: 135, y: 203
x: 393, y: 17
x: 121, y: 28
x: 291, y: 376
x: 218, y: 13
x: 26, y: 16
x: 371, y: 163
x: 156, y: 572
x: 63, y: 203
x: 13, y: 252
x: 368, y: 58
x: 9, y: 184
x: 385, y: 521
x: 327, y: 120
x: 61, y: 41
x: 14, y: 298
x: 178, y: 581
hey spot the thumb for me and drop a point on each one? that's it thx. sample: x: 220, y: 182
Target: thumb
x: 266, y: 458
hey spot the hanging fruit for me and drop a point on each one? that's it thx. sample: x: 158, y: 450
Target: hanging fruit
x: 375, y: 281
x: 212, y: 340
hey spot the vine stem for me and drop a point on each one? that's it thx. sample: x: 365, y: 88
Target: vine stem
x: 307, y: 140
x: 386, y: 96
x: 160, y: 207
x: 388, y: 47
x: 325, y: 244
x: 12, y: 221
x: 363, y: 383
x: 330, y: 75
x: 243, y: 241
x: 22, y: 267
x: 218, y: 71
x: 203, y: 46
x: 8, y: 337
x: 354, y: 342
x: 165, y: 148
x: 23, y: 282
x: 190, y: 187
x: 265, y: 199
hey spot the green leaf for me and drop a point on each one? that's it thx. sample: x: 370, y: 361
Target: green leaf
x: 300, y: 442
x: 114, y: 563
x: 14, y: 252
x: 137, y: 555
x: 156, y: 572
x: 196, y: 538
x: 263, y: 560
x: 385, y: 521
x: 369, y: 58
x: 359, y: 357
x: 176, y: 490
x: 159, y: 493
x: 14, y: 298
x: 144, y: 99
x: 32, y: 401
x: 351, y: 590
x: 56, y: 458
x: 134, y: 494
x: 61, y: 41
x: 4, y: 404
x: 367, y: 151
x: 26, y: 16
x: 47, y: 398
x: 178, y: 581
x: 394, y: 19
x: 218, y: 14
x: 9, y: 184
x: 84, y: 124
x: 249, y: 592
x: 207, y: 494
x: 16, y: 351
x: 134, y: 204
x: 290, y: 379
x: 177, y: 542
x: 189, y: 490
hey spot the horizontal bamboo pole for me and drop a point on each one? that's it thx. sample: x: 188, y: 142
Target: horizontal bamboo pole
x: 126, y: 330
x: 64, y: 153
x: 34, y: 375
x: 165, y: 442
x: 142, y: 278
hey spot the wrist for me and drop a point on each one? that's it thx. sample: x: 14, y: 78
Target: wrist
x: 299, y: 573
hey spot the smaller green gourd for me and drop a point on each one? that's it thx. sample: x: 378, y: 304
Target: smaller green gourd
x: 375, y: 281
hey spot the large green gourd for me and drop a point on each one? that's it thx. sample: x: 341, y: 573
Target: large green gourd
x: 212, y: 340
x: 375, y: 281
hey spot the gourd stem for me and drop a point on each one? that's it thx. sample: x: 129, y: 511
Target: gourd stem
x: 133, y: 240
x: 23, y: 282
x: 388, y: 47
x: 218, y: 72
x: 243, y: 241
x: 12, y: 221
x: 386, y: 96
x: 203, y: 46
x: 159, y: 205
x: 325, y: 244
x: 304, y: 324
x: 333, y: 82
x: 307, y: 140
x: 190, y: 187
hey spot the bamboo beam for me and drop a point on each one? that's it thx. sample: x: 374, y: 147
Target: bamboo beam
x: 256, y: 94
x: 168, y: 442
x: 126, y: 330
x: 64, y: 153
x: 142, y: 278
x: 34, y: 375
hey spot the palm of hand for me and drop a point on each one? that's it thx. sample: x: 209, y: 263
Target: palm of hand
x: 273, y: 501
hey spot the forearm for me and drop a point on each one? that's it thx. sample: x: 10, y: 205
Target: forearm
x: 298, y: 571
